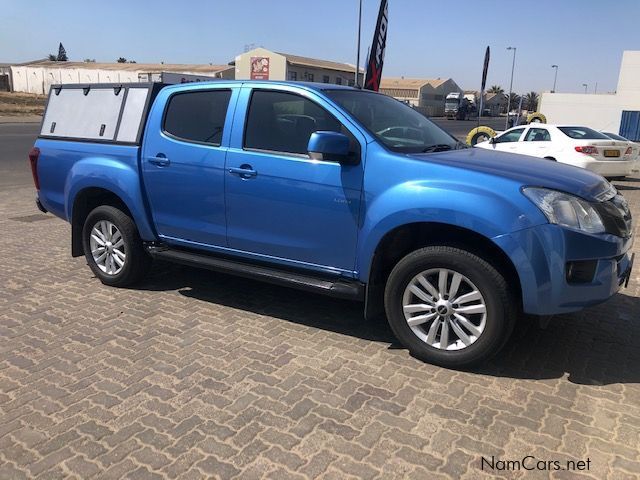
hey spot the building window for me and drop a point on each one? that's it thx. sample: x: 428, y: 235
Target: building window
x: 338, y: 80
x: 293, y: 76
x: 325, y: 79
x: 309, y: 77
x: 352, y: 82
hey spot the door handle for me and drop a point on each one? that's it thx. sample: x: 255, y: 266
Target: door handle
x: 161, y: 160
x: 245, y: 171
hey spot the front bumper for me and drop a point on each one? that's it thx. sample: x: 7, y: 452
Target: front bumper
x: 540, y: 255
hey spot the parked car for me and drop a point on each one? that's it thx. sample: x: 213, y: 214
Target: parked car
x: 634, y: 145
x: 335, y: 190
x: 579, y: 146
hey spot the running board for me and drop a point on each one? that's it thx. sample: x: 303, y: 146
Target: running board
x: 339, y: 288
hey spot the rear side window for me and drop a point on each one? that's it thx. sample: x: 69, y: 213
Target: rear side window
x: 283, y: 122
x: 582, y: 133
x: 197, y: 116
x: 537, y: 135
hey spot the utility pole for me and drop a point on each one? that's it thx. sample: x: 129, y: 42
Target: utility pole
x: 513, y: 65
x: 357, y: 82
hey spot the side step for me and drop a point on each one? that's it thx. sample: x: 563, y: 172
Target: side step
x: 339, y: 288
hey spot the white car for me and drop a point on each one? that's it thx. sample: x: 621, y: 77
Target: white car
x: 578, y: 146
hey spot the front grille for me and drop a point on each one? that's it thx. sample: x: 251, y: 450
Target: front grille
x: 616, y: 216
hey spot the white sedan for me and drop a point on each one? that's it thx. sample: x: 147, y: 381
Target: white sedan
x: 578, y: 146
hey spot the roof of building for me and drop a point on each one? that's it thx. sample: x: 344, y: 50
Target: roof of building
x: 134, y: 67
x: 411, y: 83
x: 491, y: 96
x: 314, y: 62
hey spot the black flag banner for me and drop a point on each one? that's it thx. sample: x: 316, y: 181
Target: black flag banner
x: 376, y: 56
x: 485, y: 69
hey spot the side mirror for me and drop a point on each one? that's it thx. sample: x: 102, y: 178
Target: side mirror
x: 494, y: 140
x: 329, y: 146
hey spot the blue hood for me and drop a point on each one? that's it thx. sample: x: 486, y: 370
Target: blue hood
x: 528, y: 171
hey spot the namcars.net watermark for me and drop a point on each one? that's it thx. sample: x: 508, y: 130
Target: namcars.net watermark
x: 531, y: 463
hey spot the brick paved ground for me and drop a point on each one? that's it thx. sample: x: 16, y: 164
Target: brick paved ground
x: 197, y: 375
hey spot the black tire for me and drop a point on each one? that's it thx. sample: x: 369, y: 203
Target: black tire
x: 137, y: 261
x: 501, y: 310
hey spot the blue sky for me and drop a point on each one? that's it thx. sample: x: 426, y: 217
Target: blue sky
x: 427, y: 38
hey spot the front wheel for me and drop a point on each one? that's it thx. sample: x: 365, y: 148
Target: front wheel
x: 448, y: 306
x: 113, y: 248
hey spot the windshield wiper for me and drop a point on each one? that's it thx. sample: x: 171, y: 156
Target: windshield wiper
x: 438, y: 147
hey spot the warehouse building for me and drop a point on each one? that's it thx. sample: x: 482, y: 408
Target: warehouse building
x: 263, y: 64
x: 37, y: 77
x: 425, y: 94
x: 618, y: 112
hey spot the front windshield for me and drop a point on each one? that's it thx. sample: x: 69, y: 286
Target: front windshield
x: 399, y: 127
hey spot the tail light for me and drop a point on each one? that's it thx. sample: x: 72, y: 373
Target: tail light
x: 629, y: 151
x: 587, y: 150
x: 34, y: 153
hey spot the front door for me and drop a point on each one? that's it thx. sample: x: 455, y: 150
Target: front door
x: 183, y: 166
x: 281, y: 204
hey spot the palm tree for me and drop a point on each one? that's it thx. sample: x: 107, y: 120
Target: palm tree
x: 531, y: 101
x: 515, y: 101
x: 496, y: 89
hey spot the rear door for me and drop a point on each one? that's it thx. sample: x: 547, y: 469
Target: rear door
x: 183, y: 158
x: 536, y: 142
x: 281, y: 204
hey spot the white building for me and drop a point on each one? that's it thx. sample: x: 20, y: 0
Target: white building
x: 37, y: 77
x: 263, y: 64
x: 618, y: 112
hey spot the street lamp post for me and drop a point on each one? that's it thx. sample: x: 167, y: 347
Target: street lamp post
x: 585, y: 87
x: 513, y: 65
x: 555, y: 78
x: 358, y: 55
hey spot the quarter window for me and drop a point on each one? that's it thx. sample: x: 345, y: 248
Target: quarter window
x: 537, y: 135
x: 197, y: 116
x: 283, y: 122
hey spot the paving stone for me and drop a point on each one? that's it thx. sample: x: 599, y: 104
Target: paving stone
x: 156, y: 382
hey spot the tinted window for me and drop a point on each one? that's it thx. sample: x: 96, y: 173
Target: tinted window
x: 615, y: 137
x: 537, y: 135
x: 512, y: 136
x: 283, y: 122
x: 582, y: 133
x: 197, y: 116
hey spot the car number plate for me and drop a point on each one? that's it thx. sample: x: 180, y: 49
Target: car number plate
x: 612, y: 153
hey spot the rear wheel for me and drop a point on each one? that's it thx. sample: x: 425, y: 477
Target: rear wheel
x: 113, y: 248
x: 448, y: 306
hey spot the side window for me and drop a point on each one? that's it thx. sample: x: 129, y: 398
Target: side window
x: 283, y: 122
x: 197, y: 116
x: 512, y: 136
x: 537, y: 135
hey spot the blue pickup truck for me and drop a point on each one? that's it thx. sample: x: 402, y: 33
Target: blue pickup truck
x: 335, y: 190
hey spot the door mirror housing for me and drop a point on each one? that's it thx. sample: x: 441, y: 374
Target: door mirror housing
x: 330, y: 146
x: 494, y: 140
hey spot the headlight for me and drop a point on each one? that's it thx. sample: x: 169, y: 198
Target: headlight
x: 566, y: 210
